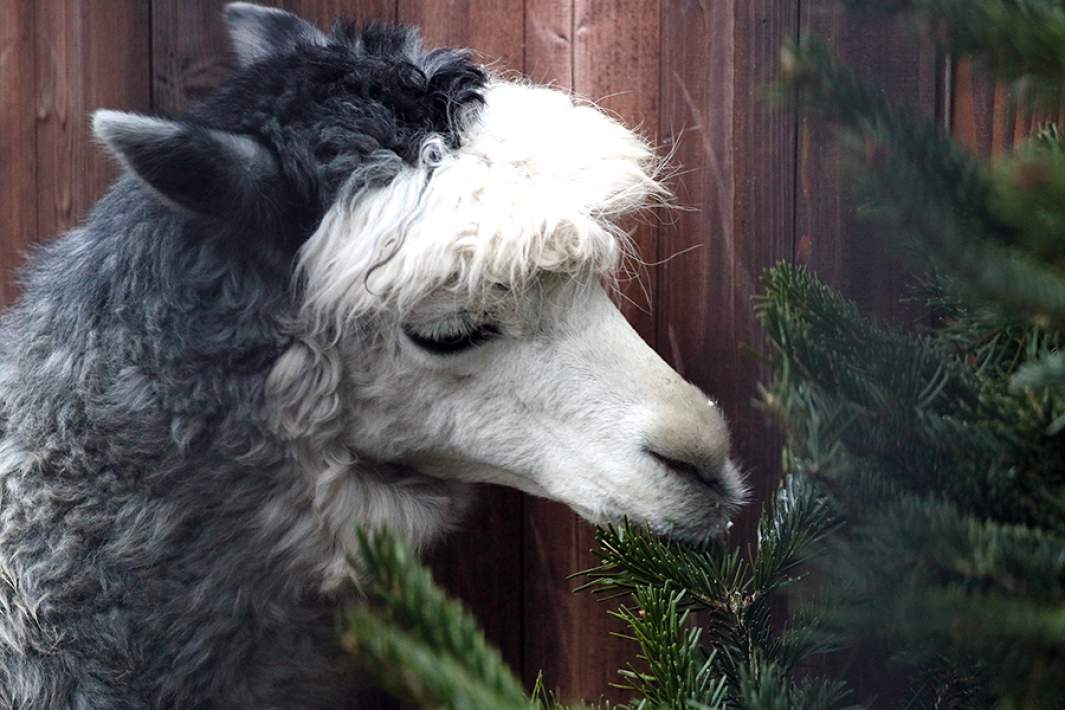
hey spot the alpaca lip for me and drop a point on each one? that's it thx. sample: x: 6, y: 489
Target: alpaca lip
x: 688, y: 471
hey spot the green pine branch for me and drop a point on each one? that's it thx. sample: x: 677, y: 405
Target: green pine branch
x: 907, y: 408
x: 734, y: 592
x: 932, y: 192
x: 423, y: 647
x: 951, y: 483
x: 416, y: 642
x: 1043, y: 373
x: 678, y: 673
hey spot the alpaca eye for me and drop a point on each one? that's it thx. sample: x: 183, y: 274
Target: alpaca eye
x: 451, y: 336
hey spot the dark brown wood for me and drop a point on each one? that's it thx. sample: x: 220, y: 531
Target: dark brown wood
x: 191, y: 52
x: 493, y: 28
x: 325, y: 13
x: 616, y: 64
x: 736, y: 154
x: 90, y: 54
x: 608, y: 52
x: 985, y: 115
x: 481, y: 563
x: 843, y: 250
x: 18, y: 138
x: 549, y: 42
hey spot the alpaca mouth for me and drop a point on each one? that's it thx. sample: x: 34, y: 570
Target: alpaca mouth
x: 690, y: 472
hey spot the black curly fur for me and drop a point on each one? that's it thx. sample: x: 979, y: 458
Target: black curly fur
x: 329, y: 113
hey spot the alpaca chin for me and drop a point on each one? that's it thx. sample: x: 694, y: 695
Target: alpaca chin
x: 370, y: 496
x: 349, y: 494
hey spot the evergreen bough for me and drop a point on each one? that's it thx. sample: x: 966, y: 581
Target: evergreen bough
x: 924, y: 495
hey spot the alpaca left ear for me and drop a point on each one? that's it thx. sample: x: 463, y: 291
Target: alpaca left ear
x: 258, y: 32
x: 210, y: 172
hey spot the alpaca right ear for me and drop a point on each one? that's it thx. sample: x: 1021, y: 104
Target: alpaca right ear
x: 258, y: 32
x: 203, y: 170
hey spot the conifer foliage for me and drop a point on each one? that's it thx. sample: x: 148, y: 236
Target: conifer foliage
x: 924, y: 495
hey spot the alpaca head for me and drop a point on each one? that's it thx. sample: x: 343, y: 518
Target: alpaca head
x: 452, y: 237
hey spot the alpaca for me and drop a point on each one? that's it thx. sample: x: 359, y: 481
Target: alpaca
x: 358, y: 278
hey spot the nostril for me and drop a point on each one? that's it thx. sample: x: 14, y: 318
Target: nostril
x: 684, y: 468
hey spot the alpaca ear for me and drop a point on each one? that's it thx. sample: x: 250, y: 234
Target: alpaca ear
x: 210, y: 172
x: 258, y: 32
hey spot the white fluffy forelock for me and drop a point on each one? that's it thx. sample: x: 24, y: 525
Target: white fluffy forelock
x: 536, y: 186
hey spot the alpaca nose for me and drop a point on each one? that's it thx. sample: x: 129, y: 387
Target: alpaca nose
x: 691, y: 439
x: 710, y: 475
x: 679, y: 467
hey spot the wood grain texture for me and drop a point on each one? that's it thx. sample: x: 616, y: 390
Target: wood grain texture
x: 616, y: 64
x: 985, y: 115
x: 609, y: 52
x: 191, y: 51
x: 326, y: 13
x: 18, y: 139
x: 843, y: 250
x: 481, y: 563
x: 846, y: 252
x: 494, y: 29
x: 90, y: 54
x: 736, y: 152
x: 549, y: 42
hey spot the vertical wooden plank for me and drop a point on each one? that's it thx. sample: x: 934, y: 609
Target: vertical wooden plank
x: 844, y: 250
x: 616, y: 63
x: 549, y: 42
x: 192, y: 54
x: 90, y: 54
x: 985, y: 115
x: 891, y: 56
x: 764, y: 224
x: 326, y: 13
x: 609, y: 52
x: 18, y: 139
x: 494, y: 28
x: 736, y: 151
x: 552, y: 547
x: 481, y: 563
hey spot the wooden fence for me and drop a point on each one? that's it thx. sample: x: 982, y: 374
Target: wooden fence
x: 761, y: 185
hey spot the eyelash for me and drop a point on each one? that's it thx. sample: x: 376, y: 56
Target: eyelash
x: 454, y: 337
